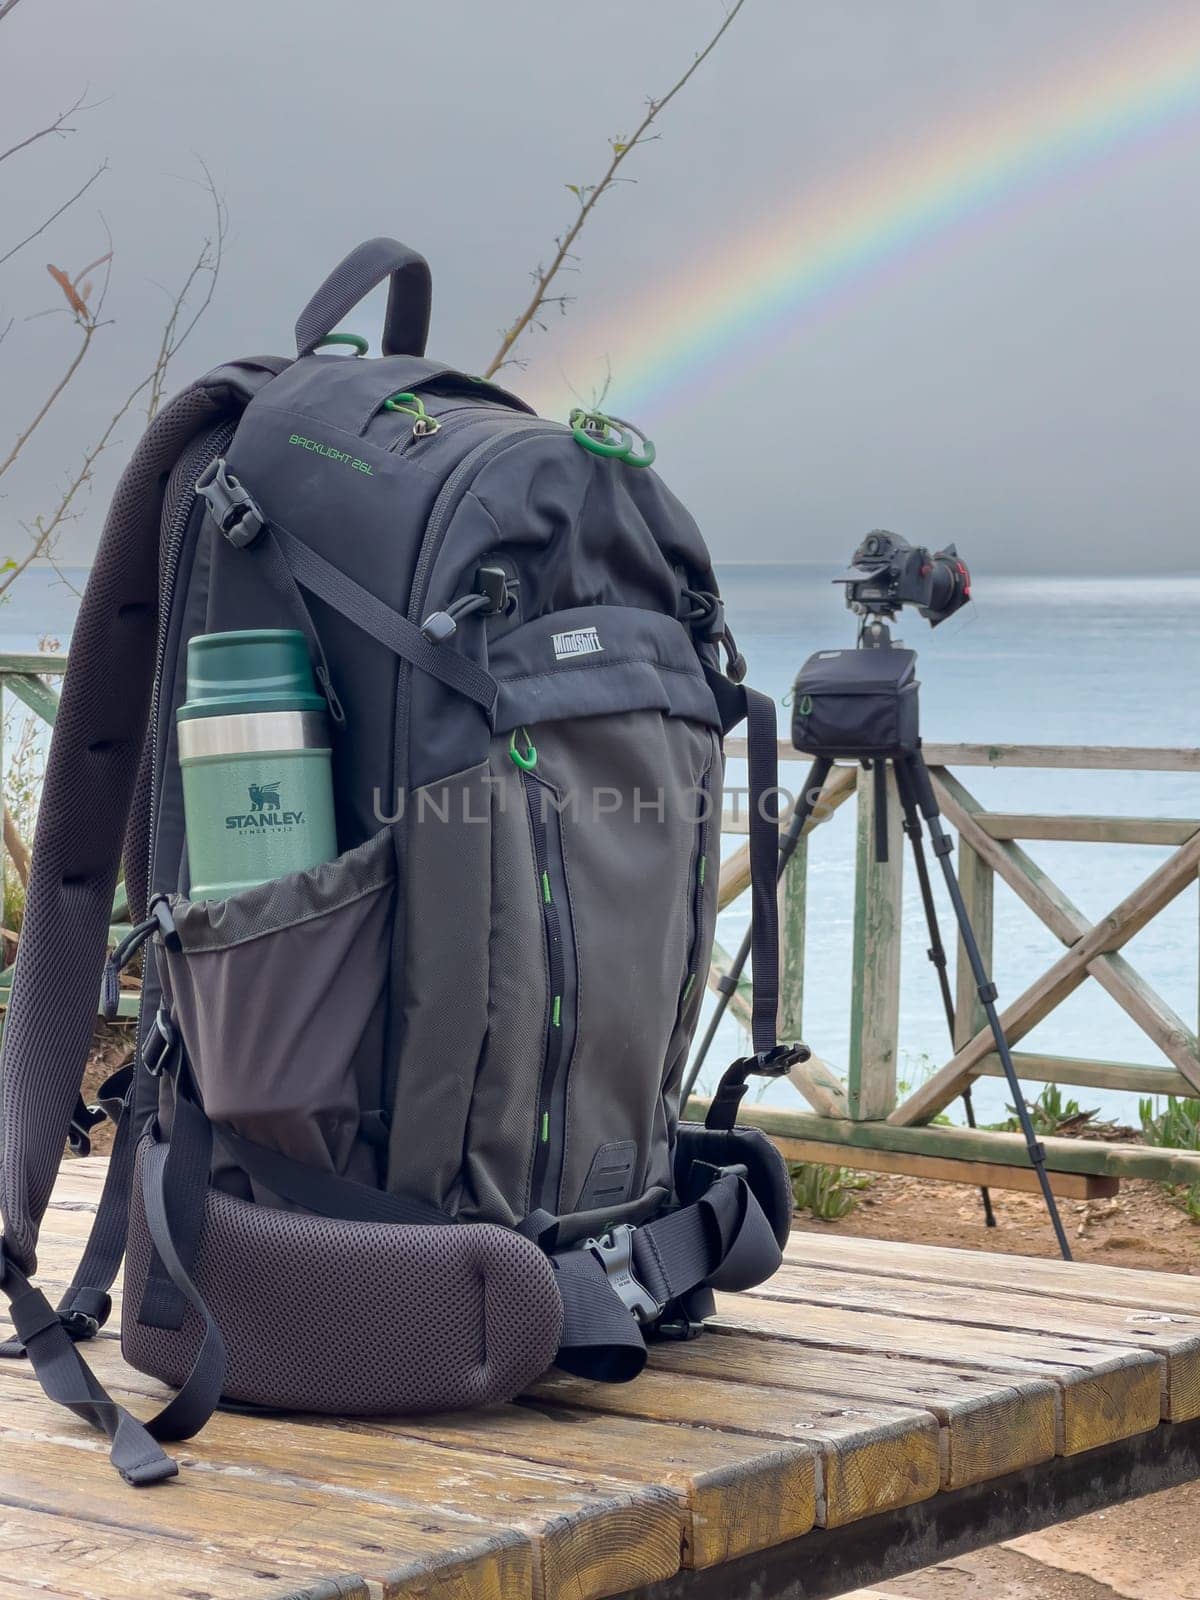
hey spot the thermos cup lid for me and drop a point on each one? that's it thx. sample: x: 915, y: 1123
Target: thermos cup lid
x: 256, y: 669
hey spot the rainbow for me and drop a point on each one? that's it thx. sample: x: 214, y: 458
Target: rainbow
x: 822, y: 246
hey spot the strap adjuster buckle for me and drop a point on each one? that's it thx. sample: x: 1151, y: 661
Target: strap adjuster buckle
x: 614, y: 1251
x: 159, y: 1044
x: 232, y: 507
x: 778, y: 1062
x: 84, y: 1118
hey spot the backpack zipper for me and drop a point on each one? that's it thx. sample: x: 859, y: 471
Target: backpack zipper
x: 444, y: 507
x: 205, y: 450
x: 446, y: 423
x: 699, y: 877
x: 551, y: 877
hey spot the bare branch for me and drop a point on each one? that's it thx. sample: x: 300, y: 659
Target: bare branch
x: 7, y: 6
x: 207, y: 265
x: 44, y: 530
x: 54, y: 215
x: 58, y: 127
x: 588, y: 196
x: 23, y: 438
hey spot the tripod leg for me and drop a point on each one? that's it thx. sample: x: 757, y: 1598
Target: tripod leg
x: 809, y: 796
x: 922, y: 789
x: 937, y: 950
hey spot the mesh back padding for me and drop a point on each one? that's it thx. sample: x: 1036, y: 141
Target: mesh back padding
x: 354, y: 1318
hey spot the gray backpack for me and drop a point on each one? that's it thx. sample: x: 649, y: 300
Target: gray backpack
x: 403, y: 1130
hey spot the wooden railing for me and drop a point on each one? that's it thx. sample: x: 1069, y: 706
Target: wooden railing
x: 859, y: 1109
x: 856, y: 1115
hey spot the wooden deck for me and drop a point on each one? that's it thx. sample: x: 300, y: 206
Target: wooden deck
x: 919, y: 1400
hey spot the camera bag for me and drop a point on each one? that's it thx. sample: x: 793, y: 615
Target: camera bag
x: 402, y: 1130
x: 857, y: 704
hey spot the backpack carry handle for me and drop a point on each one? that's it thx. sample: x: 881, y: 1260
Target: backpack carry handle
x: 406, y: 322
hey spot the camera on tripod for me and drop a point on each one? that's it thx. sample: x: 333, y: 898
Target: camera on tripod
x: 861, y: 705
x: 888, y: 573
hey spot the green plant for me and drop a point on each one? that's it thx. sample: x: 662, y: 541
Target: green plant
x: 828, y: 1192
x: 1049, y: 1113
x: 1177, y: 1127
x: 917, y: 1072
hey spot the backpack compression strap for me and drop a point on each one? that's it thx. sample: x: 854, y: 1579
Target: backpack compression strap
x: 616, y: 1285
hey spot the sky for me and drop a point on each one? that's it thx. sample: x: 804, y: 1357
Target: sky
x: 925, y: 264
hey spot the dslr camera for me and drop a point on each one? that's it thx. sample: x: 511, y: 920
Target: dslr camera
x: 888, y: 573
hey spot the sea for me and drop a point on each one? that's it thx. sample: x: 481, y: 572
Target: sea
x: 1039, y: 660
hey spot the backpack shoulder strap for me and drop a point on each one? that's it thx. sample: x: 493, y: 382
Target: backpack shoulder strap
x: 95, y: 753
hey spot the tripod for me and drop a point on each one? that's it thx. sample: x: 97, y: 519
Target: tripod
x: 920, y: 807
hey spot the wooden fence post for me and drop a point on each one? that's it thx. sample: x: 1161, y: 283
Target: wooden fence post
x: 977, y: 882
x: 793, y: 901
x: 875, y: 984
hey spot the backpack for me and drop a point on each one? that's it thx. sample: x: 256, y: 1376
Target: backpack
x: 402, y: 1131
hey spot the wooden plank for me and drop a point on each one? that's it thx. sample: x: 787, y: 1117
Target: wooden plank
x: 1173, y: 1337
x: 38, y: 696
x: 735, y: 870
x: 793, y: 904
x: 266, y: 1531
x: 1109, y: 935
x: 979, y: 1174
x: 875, y: 979
x: 1070, y: 757
x: 977, y: 882
x: 1008, y: 1149
x: 989, y: 1425
x: 978, y: 1269
x: 86, y: 1560
x: 820, y: 1086
x: 590, y: 1536
x: 50, y: 664
x: 1105, y: 1392
x: 736, y: 1494
x: 869, y: 1458
x: 1151, y: 1013
x: 1133, y: 1077
x: 1018, y: 870
x: 1090, y: 830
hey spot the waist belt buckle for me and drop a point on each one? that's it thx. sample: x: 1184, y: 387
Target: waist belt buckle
x: 614, y: 1251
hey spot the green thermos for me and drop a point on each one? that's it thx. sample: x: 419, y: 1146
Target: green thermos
x: 254, y: 749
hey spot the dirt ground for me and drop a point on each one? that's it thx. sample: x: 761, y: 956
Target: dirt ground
x: 1146, y: 1550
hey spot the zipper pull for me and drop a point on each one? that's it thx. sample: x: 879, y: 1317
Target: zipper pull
x: 525, y: 759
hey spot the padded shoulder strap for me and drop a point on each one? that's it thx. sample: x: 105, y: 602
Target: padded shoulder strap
x: 94, y: 757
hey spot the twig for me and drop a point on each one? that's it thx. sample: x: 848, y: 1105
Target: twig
x: 54, y: 215
x: 44, y: 529
x: 89, y: 333
x: 588, y: 199
x: 208, y: 261
x: 58, y: 126
x: 7, y: 6
x: 16, y: 847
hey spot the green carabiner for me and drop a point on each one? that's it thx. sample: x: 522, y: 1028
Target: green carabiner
x: 411, y: 405
x: 525, y: 759
x: 360, y: 345
x: 631, y: 457
x: 592, y: 429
